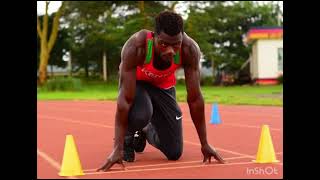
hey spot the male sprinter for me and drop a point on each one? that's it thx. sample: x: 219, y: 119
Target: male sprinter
x: 146, y: 107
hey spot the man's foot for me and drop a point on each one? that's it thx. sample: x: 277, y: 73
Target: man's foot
x: 128, y: 149
x: 139, y: 141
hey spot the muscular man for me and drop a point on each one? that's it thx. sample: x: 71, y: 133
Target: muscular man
x: 147, y: 109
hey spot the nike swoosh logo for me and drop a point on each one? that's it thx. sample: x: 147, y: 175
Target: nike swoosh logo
x: 177, y: 118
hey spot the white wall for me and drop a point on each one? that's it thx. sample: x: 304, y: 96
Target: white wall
x: 265, y: 58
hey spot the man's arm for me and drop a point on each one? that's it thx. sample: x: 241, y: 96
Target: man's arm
x: 131, y: 55
x: 191, y: 59
x: 127, y: 86
x: 194, y: 97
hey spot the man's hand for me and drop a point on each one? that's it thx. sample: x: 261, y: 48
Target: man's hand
x: 208, y: 151
x: 115, y: 157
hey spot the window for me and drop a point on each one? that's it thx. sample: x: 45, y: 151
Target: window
x: 280, y: 59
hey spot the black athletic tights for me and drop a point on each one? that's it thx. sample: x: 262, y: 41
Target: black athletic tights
x: 157, y: 109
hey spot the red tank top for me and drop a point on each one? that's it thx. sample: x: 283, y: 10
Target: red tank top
x: 164, y: 79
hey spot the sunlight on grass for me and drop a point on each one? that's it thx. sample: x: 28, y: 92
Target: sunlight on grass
x: 248, y: 95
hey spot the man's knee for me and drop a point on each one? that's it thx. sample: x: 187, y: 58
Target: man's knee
x: 138, y: 120
x: 141, y: 118
x: 174, y: 154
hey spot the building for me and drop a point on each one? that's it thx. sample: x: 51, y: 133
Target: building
x: 266, y: 58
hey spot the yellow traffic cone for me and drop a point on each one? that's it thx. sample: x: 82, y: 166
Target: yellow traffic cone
x: 265, y: 152
x: 71, y: 165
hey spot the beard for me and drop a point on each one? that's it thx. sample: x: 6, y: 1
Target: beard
x: 166, y: 59
x: 162, y: 62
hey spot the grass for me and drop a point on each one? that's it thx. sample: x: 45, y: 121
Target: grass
x: 244, y: 95
x: 90, y: 91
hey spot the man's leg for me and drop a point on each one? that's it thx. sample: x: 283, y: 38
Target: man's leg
x: 141, y: 111
x: 165, y: 129
x: 139, y: 115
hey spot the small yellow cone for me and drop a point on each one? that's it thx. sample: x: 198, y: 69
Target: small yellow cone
x: 71, y: 165
x: 265, y: 152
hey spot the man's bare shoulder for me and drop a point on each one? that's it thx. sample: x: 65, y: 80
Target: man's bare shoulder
x: 188, y: 42
x: 190, y: 49
x: 139, y: 38
x: 134, y: 48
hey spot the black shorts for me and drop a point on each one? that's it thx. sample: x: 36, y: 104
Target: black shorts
x: 158, y: 110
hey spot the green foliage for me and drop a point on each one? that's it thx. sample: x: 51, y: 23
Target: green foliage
x: 207, y: 81
x: 113, y: 78
x: 181, y: 81
x: 280, y: 79
x: 220, y: 27
x: 63, y: 84
x: 97, y: 27
x: 89, y: 28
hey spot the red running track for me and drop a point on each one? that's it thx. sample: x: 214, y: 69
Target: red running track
x: 92, y: 125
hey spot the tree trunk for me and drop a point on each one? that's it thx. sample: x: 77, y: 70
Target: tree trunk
x: 212, y: 64
x: 190, y: 27
x: 46, y: 46
x: 70, y: 65
x: 51, y: 69
x: 173, y: 6
x: 104, y: 66
x: 44, y: 57
x: 86, y: 68
x: 141, y: 8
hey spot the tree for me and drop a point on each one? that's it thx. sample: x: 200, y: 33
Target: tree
x: 45, y: 44
x: 94, y: 32
x: 62, y: 44
x: 219, y: 28
x: 103, y: 27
